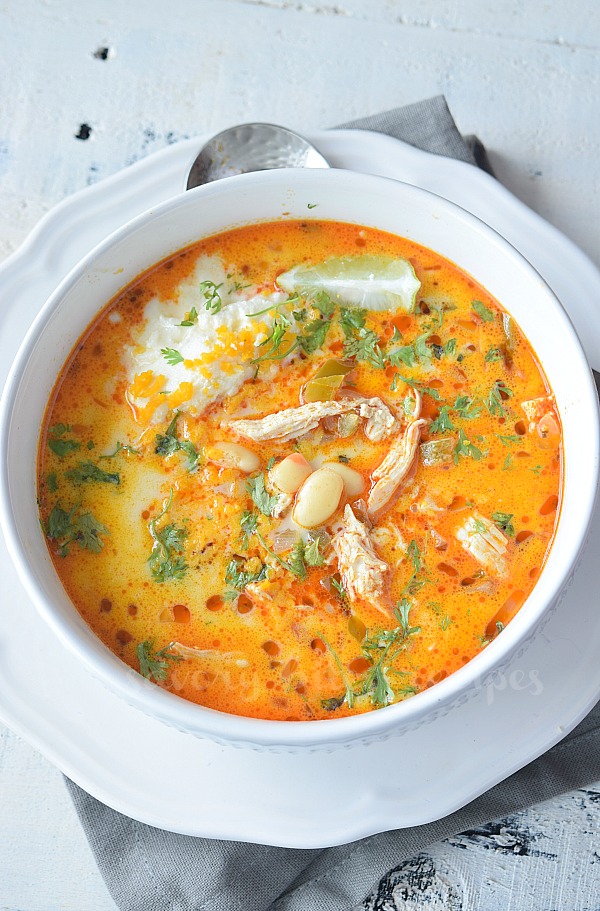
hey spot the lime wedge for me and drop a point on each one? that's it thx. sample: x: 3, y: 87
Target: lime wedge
x: 372, y: 282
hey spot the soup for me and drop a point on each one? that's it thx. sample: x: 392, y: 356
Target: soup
x: 300, y: 470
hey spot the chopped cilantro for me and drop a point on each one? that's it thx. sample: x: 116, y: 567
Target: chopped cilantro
x: 77, y: 527
x: 261, y: 498
x: 84, y: 472
x: 154, y: 664
x: 482, y: 311
x: 504, y: 521
x: 352, y: 320
x: 168, y: 443
x: 493, y: 354
x: 57, y: 442
x: 248, y: 524
x: 166, y: 561
x: 465, y: 448
x: 507, y: 438
x: 210, y: 291
x: 467, y: 407
x: 239, y: 578
x: 365, y: 347
x: 323, y: 303
x: 191, y: 318
x: 443, y: 422
x: 494, y: 402
x: 172, y: 356
x: 414, y: 555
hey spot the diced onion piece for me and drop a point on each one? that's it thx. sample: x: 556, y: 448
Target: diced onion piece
x: 434, y: 452
x: 323, y: 386
x: 289, y: 474
x: 354, y: 483
x: 347, y: 425
x: 318, y: 498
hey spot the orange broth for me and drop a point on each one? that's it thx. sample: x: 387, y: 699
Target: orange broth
x: 295, y: 646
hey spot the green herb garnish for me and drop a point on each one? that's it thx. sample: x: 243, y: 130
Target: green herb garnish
x: 262, y: 499
x: 443, y: 422
x: 168, y: 443
x: 85, y: 472
x: 155, y: 664
x: 504, y: 521
x: 465, y: 448
x: 211, y: 295
x: 191, y: 318
x: 77, y: 527
x: 172, y: 356
x: 482, y: 311
x: 167, y: 562
x: 494, y: 402
x: 57, y: 442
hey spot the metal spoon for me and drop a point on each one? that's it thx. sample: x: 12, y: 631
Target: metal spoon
x: 252, y: 147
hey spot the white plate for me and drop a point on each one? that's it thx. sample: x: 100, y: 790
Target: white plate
x: 175, y: 781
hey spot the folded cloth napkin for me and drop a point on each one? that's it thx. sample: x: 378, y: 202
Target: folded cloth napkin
x: 147, y: 869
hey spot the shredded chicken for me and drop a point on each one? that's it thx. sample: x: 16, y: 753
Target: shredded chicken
x: 536, y: 409
x: 380, y: 422
x: 363, y: 573
x: 292, y: 423
x: 484, y: 541
x: 190, y: 651
x: 389, y: 475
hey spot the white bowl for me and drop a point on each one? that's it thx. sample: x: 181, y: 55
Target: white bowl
x: 334, y: 195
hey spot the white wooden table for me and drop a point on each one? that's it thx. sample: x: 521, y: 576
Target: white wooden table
x: 88, y: 87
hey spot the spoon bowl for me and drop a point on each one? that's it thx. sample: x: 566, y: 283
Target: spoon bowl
x: 252, y: 147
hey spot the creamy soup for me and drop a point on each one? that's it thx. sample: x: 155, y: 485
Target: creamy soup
x: 300, y: 471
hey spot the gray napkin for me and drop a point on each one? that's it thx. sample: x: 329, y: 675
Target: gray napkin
x: 148, y: 869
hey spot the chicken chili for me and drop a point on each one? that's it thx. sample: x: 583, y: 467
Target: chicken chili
x: 300, y: 470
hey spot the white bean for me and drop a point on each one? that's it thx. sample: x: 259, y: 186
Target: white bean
x: 318, y: 498
x: 232, y: 455
x: 291, y: 473
x: 354, y: 483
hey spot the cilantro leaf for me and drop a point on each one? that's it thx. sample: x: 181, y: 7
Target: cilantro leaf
x: 296, y: 562
x: 262, y: 499
x: 323, y: 303
x: 168, y: 443
x: 77, y: 527
x: 248, y: 524
x: 58, y: 444
x: 211, y: 295
x: 482, y: 311
x: 314, y: 335
x: 239, y: 578
x: 191, y: 318
x: 465, y: 448
x: 504, y: 521
x: 497, y: 395
x: 154, y: 664
x: 88, y: 471
x: 167, y: 562
x: 365, y: 347
x: 443, y: 422
x: 351, y: 320
x: 312, y: 552
x: 172, y: 356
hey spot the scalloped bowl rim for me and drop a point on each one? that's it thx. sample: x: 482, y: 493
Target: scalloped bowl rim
x: 286, y: 194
